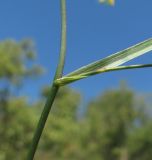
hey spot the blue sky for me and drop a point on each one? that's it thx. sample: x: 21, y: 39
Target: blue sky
x: 94, y: 31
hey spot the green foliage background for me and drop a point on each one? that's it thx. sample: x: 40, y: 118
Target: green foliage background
x: 115, y: 126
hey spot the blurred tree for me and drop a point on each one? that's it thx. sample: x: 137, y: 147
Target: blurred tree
x: 111, y: 117
x: 16, y: 116
x: 17, y: 125
x: 15, y: 60
x: 140, y: 143
x: 59, y: 140
x: 108, y: 131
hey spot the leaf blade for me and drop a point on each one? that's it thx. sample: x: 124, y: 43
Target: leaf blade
x: 117, y: 59
x: 69, y: 79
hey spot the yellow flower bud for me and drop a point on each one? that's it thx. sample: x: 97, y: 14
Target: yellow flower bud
x: 110, y: 2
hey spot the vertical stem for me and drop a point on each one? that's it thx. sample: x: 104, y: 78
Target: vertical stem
x: 54, y: 88
x: 60, y: 67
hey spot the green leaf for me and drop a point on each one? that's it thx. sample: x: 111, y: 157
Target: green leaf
x: 69, y: 79
x: 116, y: 59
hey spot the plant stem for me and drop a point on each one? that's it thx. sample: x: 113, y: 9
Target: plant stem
x: 54, y: 88
x: 42, y: 122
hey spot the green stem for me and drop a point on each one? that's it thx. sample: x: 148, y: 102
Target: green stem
x: 54, y: 88
x: 42, y: 122
x: 60, y: 67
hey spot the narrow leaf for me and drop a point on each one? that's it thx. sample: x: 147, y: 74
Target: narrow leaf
x: 69, y: 79
x: 117, y: 58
